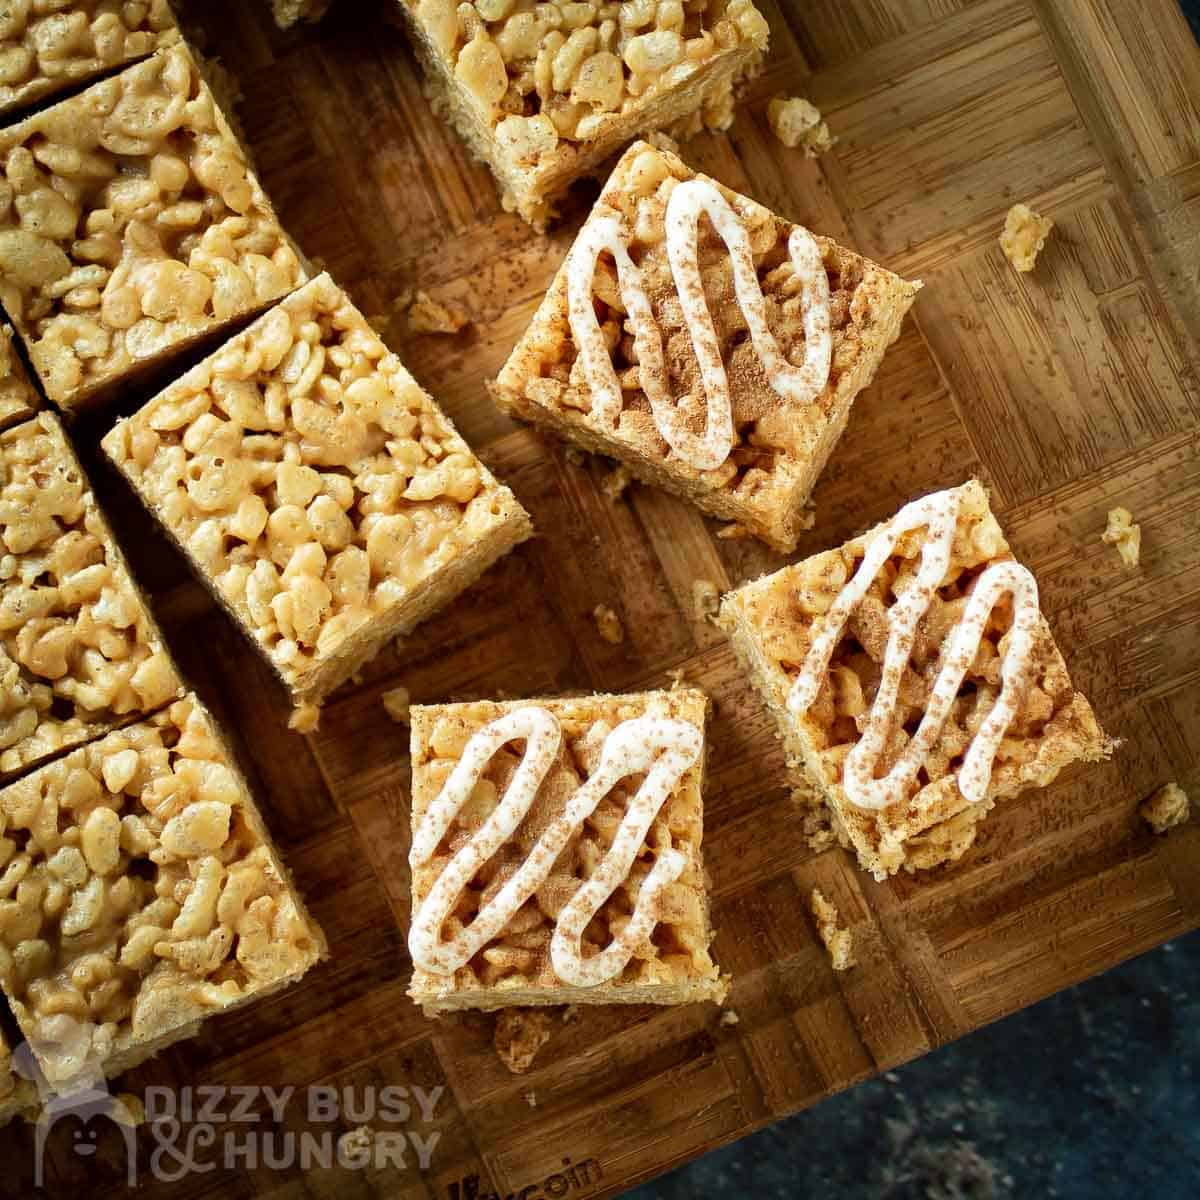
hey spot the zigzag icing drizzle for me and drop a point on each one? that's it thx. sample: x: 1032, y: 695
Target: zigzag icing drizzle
x: 800, y: 385
x: 661, y: 749
x: 939, y: 514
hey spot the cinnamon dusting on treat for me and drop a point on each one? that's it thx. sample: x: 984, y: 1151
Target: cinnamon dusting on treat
x: 1166, y: 808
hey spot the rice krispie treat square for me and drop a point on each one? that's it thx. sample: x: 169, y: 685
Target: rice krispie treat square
x: 150, y: 896
x: 317, y: 489
x: 711, y: 346
x: 556, y: 853
x: 914, y: 679
x: 18, y: 397
x: 545, y: 93
x: 131, y: 228
x: 79, y: 651
x: 47, y: 46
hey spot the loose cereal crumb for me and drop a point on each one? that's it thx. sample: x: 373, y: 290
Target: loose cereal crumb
x: 797, y: 122
x: 354, y: 1145
x: 531, y: 1099
x: 520, y: 1034
x: 396, y: 704
x: 663, y: 141
x: 575, y: 456
x: 134, y: 1108
x: 1125, y: 535
x: 706, y: 599
x: 305, y: 718
x: 615, y: 483
x: 1166, y: 808
x: 608, y: 624
x: 678, y: 677
x: 838, y: 942
x: 570, y: 1014
x: 427, y: 315
x: 1024, y: 235
x: 734, y: 532
x: 729, y: 1017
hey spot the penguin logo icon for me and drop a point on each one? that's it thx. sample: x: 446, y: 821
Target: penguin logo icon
x: 79, y: 1095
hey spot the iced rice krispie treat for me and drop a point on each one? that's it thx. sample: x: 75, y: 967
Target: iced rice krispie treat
x: 547, y: 92
x: 317, y: 489
x: 711, y: 346
x: 914, y: 679
x: 47, y: 46
x: 143, y: 894
x: 556, y: 853
x: 131, y: 227
x: 18, y: 398
x: 79, y: 651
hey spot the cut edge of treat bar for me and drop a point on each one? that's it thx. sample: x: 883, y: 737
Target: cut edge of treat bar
x: 938, y: 835
x: 99, y: 728
x: 779, y: 517
x: 130, y: 1050
x: 533, y: 192
x: 436, y: 995
x: 92, y: 394
x: 26, y: 402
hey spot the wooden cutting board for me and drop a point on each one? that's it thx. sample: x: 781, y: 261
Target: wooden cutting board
x: 1068, y: 391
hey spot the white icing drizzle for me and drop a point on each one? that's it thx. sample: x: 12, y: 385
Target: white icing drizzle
x: 661, y: 749
x: 800, y: 385
x: 939, y: 514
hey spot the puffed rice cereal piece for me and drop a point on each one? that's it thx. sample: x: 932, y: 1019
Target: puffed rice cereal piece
x: 1169, y: 806
x: 79, y: 651
x: 797, y: 122
x: 131, y: 227
x: 1024, y: 236
x: 145, y: 895
x: 318, y: 490
x: 1125, y: 535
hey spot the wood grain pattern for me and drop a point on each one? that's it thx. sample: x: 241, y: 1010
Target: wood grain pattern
x: 1069, y: 391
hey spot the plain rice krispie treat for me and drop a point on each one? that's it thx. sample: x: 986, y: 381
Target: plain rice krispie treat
x: 914, y: 679
x: 1024, y: 236
x: 47, y: 46
x: 143, y: 894
x: 79, y: 650
x: 591, y: 889
x: 317, y: 489
x: 736, y: 407
x: 18, y: 397
x: 130, y: 228
x: 18, y: 1097
x: 545, y: 93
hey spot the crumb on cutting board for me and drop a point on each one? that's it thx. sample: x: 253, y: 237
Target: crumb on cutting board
x: 305, y: 718
x: 427, y: 315
x: 396, y: 703
x: 729, y: 1017
x: 608, y: 624
x: 1024, y: 236
x: 1169, y: 806
x: 616, y: 482
x: 1124, y: 534
x: 798, y: 123
x: 520, y: 1034
x: 839, y: 943
x: 706, y: 599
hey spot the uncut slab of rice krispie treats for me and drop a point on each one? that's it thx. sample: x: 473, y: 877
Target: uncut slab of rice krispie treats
x: 317, y: 490
x: 711, y: 346
x: 47, y: 46
x: 545, y: 93
x: 132, y: 228
x: 590, y: 889
x: 914, y: 679
x: 18, y: 398
x: 150, y: 896
x: 79, y: 650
